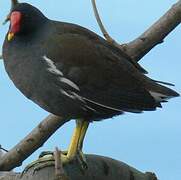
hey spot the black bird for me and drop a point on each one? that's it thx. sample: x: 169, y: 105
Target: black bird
x: 70, y: 71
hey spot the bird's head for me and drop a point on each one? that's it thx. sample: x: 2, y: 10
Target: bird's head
x: 24, y: 19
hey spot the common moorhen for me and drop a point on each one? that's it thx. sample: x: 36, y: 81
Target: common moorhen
x: 72, y: 72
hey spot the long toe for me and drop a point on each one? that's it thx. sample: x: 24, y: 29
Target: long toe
x: 79, y: 157
x: 44, y: 153
x: 82, y: 160
x: 47, y: 159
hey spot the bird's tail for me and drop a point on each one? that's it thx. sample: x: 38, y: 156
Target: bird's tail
x: 161, y: 93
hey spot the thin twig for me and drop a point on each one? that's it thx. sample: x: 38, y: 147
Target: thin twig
x: 103, y: 30
x: 137, y: 48
x: 59, y: 171
x: 1, y: 148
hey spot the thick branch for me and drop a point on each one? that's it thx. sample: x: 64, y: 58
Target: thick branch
x: 31, y: 143
x: 151, y: 37
x: 155, y: 34
x: 99, y: 168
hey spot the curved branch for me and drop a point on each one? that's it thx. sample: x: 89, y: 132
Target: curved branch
x: 99, y: 168
x: 139, y: 47
x: 155, y: 34
x: 103, y: 30
x: 31, y: 143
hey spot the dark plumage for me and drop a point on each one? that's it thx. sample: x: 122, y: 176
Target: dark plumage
x: 71, y: 71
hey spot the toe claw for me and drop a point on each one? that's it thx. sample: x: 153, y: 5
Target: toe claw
x: 82, y: 161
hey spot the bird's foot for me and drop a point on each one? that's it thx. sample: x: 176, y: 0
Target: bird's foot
x: 46, y: 159
x: 79, y: 156
x: 82, y: 160
x: 42, y: 162
x: 44, y: 153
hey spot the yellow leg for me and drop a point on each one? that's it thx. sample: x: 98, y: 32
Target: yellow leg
x: 82, y: 134
x: 74, y: 150
x: 77, y: 138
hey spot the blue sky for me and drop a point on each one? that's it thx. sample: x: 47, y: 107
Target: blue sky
x: 149, y: 141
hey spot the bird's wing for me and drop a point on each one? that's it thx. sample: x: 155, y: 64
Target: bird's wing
x: 65, y: 27
x: 103, y: 77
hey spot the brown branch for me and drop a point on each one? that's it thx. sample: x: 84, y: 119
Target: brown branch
x: 155, y: 34
x: 31, y: 143
x: 59, y: 170
x: 98, y: 168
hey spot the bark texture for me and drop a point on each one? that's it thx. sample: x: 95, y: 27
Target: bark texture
x: 155, y: 34
x: 30, y: 143
x: 100, y: 168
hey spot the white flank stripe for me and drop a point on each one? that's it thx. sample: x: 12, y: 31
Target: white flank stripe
x: 52, y: 68
x: 72, y: 95
x: 102, y: 105
x: 78, y: 97
x: 67, y: 94
x: 88, y: 107
x: 70, y: 83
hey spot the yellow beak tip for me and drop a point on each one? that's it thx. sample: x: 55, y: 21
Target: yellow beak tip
x: 10, y: 36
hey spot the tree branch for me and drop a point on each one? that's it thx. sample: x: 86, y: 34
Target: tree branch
x: 31, y: 143
x: 1, y: 152
x: 99, y: 168
x: 139, y: 47
x: 59, y: 170
x: 103, y: 30
x: 155, y: 34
